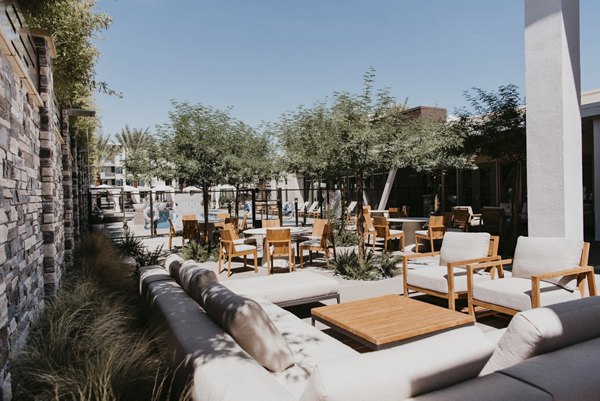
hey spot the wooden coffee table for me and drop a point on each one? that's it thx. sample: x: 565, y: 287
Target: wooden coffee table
x: 386, y: 321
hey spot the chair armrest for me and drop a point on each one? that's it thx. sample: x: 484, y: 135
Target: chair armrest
x: 420, y: 255
x: 489, y: 259
x: 535, y: 281
x: 560, y: 273
x: 479, y: 266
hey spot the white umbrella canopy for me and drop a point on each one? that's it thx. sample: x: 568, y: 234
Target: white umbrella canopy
x: 102, y: 186
x: 192, y: 189
x: 163, y: 188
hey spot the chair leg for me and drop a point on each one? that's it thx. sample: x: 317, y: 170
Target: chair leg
x: 220, y: 256
x: 301, y: 258
x: 229, y: 265
x: 431, y: 242
x: 403, y: 242
x: 255, y: 261
x: 268, y: 262
x: 327, y: 257
x: 416, y: 244
x: 245, y: 261
x: 451, y: 302
x: 170, y: 241
x: 385, y: 241
x: 309, y: 256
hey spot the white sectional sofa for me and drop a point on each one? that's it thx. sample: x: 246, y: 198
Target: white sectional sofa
x: 545, y: 354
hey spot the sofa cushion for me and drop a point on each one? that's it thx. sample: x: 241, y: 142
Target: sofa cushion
x: 279, y: 288
x: 403, y: 371
x: 543, y: 255
x: 249, y: 325
x: 569, y: 374
x: 463, y: 246
x: 309, y: 345
x: 547, y: 329
x: 494, y: 387
x: 201, y: 349
x: 172, y: 264
x: 515, y: 293
x: 436, y: 278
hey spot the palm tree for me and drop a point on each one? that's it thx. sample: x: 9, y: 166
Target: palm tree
x: 104, y: 150
x: 134, y: 142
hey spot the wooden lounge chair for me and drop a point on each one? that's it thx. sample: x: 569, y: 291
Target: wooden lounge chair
x: 444, y: 274
x: 228, y: 247
x: 461, y: 218
x: 382, y: 230
x: 435, y: 231
x: 319, y: 242
x: 174, y: 233
x: 310, y: 210
x: 279, y: 243
x: 545, y: 271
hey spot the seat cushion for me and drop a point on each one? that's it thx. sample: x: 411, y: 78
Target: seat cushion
x: 308, y: 344
x: 400, y: 372
x: 463, y: 246
x: 515, y: 293
x: 422, y: 232
x: 279, y: 288
x: 249, y: 326
x: 541, y: 330
x: 396, y: 232
x: 244, y: 247
x: 543, y: 255
x: 436, y: 278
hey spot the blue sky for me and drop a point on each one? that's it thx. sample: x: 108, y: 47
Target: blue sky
x: 265, y: 57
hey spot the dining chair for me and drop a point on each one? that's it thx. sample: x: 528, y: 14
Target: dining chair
x: 191, y: 228
x: 279, y: 243
x: 320, y: 244
x: 228, y: 247
x: 271, y: 223
x: 174, y: 233
x: 382, y: 230
x: 435, y: 231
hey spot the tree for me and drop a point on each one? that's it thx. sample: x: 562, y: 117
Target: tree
x: 354, y: 135
x: 103, y: 150
x: 495, y: 126
x: 198, y: 140
x: 136, y: 144
x: 433, y: 147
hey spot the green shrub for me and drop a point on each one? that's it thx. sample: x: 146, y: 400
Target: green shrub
x: 389, y: 265
x: 131, y: 245
x: 90, y: 342
x: 346, y: 238
x: 348, y: 265
x: 200, y: 253
x: 149, y: 258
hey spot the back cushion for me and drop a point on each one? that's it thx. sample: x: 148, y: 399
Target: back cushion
x: 543, y: 255
x: 249, y: 326
x: 463, y: 246
x: 172, y: 265
x: 538, y: 331
x: 190, y: 276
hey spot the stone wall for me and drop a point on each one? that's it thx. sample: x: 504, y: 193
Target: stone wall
x: 36, y: 199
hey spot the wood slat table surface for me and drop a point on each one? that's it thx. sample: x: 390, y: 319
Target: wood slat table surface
x: 385, y: 321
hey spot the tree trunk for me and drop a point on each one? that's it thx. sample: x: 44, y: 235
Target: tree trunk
x: 237, y: 201
x: 343, y: 206
x: 205, y: 203
x: 359, y: 216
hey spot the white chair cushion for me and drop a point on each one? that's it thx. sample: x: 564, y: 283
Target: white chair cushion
x: 242, y: 248
x: 543, y: 255
x: 436, y: 278
x: 396, y: 232
x: 422, y: 232
x: 515, y: 293
x: 423, y: 262
x: 463, y: 246
x: 311, y: 243
x: 541, y: 330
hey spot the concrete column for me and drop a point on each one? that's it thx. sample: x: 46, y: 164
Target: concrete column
x: 552, y: 77
x: 387, y: 190
x: 597, y: 177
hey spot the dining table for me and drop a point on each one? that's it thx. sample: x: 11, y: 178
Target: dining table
x: 297, y: 234
x: 409, y: 226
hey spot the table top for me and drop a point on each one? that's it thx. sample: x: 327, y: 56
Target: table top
x: 385, y: 321
x: 408, y: 219
x: 263, y: 231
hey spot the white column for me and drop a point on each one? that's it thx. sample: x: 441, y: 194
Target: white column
x: 596, y: 191
x: 554, y: 171
x: 385, y: 196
